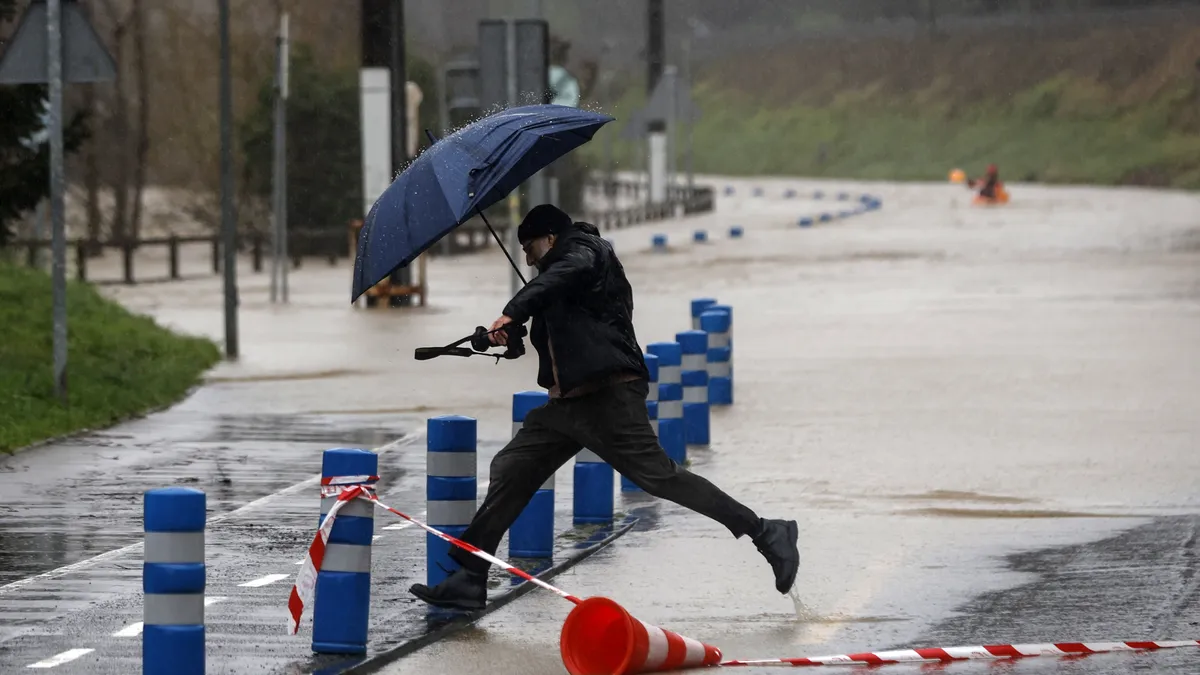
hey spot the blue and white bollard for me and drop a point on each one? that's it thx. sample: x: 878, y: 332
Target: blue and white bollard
x: 659, y: 242
x: 825, y: 218
x: 789, y: 193
x: 700, y: 236
x: 670, y: 399
x: 720, y: 356
x: 694, y: 377
x: 843, y: 196
x: 727, y: 310
x: 450, y: 485
x: 758, y: 192
x: 532, y: 533
x: 593, y: 501
x: 728, y: 190
x: 342, y: 600
x: 806, y: 222
x: 651, y: 410
x: 736, y: 232
x: 173, y: 576
x: 698, y: 307
x: 818, y: 195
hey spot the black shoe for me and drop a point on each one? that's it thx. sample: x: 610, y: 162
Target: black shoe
x: 463, y: 589
x: 777, y: 543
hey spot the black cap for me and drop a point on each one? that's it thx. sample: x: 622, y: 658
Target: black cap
x: 541, y: 221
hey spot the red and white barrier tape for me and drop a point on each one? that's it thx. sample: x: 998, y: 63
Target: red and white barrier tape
x: 306, y: 578
x: 985, y: 652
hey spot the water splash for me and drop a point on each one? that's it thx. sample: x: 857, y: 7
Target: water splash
x: 803, y: 612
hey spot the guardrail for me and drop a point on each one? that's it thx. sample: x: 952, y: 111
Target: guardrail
x: 334, y: 244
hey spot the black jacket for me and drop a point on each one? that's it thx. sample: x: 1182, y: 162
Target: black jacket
x: 581, y: 302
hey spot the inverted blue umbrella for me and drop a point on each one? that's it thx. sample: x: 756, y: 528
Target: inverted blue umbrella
x: 459, y: 176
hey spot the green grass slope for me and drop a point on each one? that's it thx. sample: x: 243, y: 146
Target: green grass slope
x: 119, y: 364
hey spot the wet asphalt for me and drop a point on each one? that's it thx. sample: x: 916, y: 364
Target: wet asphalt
x: 983, y: 420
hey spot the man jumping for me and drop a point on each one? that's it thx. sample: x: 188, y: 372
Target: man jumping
x: 589, y: 360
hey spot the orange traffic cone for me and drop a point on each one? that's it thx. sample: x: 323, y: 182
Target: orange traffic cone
x: 601, y: 638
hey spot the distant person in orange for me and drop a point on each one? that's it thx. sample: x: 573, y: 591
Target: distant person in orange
x: 990, y: 181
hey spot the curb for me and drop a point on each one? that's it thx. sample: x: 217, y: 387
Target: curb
x: 117, y: 422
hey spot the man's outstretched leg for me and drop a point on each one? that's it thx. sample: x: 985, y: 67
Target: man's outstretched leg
x: 618, y: 429
x: 517, y: 472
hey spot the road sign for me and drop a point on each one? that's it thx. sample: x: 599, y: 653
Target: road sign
x: 661, y: 107
x: 84, y: 58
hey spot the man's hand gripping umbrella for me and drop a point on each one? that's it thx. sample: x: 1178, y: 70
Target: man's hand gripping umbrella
x: 481, y: 340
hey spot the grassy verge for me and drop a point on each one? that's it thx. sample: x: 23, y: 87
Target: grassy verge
x: 119, y: 364
x: 1056, y: 132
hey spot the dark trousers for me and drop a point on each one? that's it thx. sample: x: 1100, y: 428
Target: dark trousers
x: 612, y: 423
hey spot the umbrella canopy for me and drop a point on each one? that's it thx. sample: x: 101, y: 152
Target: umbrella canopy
x: 463, y: 173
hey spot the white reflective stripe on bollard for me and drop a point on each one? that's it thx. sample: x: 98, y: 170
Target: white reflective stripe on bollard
x: 695, y: 395
x: 719, y: 369
x: 652, y: 393
x: 694, y: 361
x: 355, y: 507
x: 669, y: 374
x: 448, y: 465
x: 173, y: 609
x: 670, y: 410
x: 448, y: 513
x: 718, y: 340
x: 346, y: 558
x: 174, y: 547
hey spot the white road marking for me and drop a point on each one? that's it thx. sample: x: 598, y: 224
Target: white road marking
x: 264, y: 581
x: 373, y: 538
x: 59, y: 659
x: 135, y: 629
x: 132, y: 630
x: 109, y: 555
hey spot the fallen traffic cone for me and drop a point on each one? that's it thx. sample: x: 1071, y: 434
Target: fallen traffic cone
x: 601, y: 638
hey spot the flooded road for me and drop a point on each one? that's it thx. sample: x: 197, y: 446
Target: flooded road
x: 983, y: 420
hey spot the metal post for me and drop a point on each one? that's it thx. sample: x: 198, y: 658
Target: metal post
x: 279, y: 267
x: 514, y: 200
x: 228, y: 224
x: 58, y: 243
x: 283, y: 172
x: 672, y: 127
x: 402, y: 276
x: 687, y: 87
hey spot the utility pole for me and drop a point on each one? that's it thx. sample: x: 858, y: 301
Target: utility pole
x: 399, y: 77
x: 35, y: 55
x: 279, y: 263
x: 58, y: 243
x: 228, y: 221
x: 656, y: 128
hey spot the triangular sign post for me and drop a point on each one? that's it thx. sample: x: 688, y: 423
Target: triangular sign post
x: 659, y: 106
x: 84, y: 58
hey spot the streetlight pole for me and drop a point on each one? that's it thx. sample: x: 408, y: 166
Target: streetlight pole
x: 58, y: 234
x: 228, y: 222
